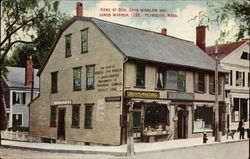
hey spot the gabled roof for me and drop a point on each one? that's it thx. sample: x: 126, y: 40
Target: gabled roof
x: 226, y: 49
x: 135, y: 43
x: 16, y: 78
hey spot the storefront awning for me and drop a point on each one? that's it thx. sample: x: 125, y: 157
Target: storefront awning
x: 139, y: 100
x: 199, y: 104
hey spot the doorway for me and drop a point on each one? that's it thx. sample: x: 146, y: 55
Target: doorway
x: 61, y: 124
x: 182, y: 122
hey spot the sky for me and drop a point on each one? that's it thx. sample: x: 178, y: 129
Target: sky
x: 178, y: 23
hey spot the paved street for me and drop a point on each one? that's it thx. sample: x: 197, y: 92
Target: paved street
x: 232, y: 150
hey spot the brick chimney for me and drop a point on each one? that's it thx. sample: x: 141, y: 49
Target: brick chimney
x: 79, y: 9
x: 164, y: 31
x: 28, y: 71
x: 201, y: 37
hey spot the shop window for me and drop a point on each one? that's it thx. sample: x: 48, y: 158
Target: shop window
x: 19, y: 98
x: 54, y: 77
x: 77, y: 78
x: 75, y: 116
x: 240, y: 109
x: 202, y: 119
x: 200, y: 82
x: 53, y: 116
x: 90, y: 77
x: 17, y: 120
x: 212, y: 85
x: 155, y: 116
x: 84, y: 41
x: 88, y: 116
x: 239, y: 78
x: 140, y: 75
x: 68, y: 45
x: 171, y: 79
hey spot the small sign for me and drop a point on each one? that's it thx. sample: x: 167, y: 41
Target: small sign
x: 139, y: 94
x: 62, y: 102
x: 113, y: 99
x: 178, y: 95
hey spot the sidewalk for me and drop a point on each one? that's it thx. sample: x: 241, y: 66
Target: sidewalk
x: 140, y: 148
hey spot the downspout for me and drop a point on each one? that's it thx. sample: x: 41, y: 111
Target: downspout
x: 122, y: 99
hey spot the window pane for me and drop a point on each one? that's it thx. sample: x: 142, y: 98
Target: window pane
x: 68, y: 45
x: 243, y: 108
x: 235, y: 112
x: 200, y: 82
x: 155, y: 116
x: 75, y: 115
x: 54, y: 82
x: 181, y: 80
x: 90, y: 77
x: 53, y: 116
x: 136, y: 119
x: 77, y: 78
x: 84, y: 40
x: 159, y: 78
x: 88, y: 116
x: 202, y: 119
x: 172, y: 77
x: 140, y: 75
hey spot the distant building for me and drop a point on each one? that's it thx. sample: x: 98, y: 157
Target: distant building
x: 102, y: 81
x: 235, y: 59
x: 17, y: 92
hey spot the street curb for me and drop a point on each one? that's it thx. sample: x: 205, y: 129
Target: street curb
x: 65, y: 151
x: 186, y: 147
x: 112, y: 152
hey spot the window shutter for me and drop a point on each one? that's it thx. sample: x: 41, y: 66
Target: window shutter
x: 24, y: 98
x: 243, y: 80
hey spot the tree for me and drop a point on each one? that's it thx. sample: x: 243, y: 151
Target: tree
x: 20, y: 16
x: 46, y: 33
x: 220, y: 14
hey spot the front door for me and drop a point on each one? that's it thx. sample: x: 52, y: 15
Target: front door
x: 182, y: 123
x: 61, y: 124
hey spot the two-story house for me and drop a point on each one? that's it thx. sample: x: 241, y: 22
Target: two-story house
x: 17, y: 89
x: 102, y: 81
x: 235, y: 59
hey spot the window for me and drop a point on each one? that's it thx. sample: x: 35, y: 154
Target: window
x: 68, y: 45
x: 77, y: 78
x: 227, y: 79
x: 244, y: 55
x: 53, y: 116
x: 88, y: 116
x: 160, y: 78
x: 239, y: 78
x: 203, y: 119
x: 54, y: 82
x: 231, y: 77
x: 84, y: 41
x: 248, y: 79
x: 19, y: 98
x: 200, y: 82
x: 155, y: 116
x: 17, y: 120
x: 75, y: 116
x: 140, y: 75
x: 240, y: 109
x: 212, y: 85
x: 90, y: 77
x: 171, y: 79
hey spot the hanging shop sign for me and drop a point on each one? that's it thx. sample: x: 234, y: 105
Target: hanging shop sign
x: 113, y: 99
x: 180, y: 95
x: 62, y: 102
x: 140, y: 94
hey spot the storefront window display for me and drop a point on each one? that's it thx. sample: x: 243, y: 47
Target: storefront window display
x: 202, y: 119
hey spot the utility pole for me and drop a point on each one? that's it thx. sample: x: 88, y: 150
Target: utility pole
x: 217, y: 136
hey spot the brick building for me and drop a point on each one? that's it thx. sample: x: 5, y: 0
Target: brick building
x: 98, y: 71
